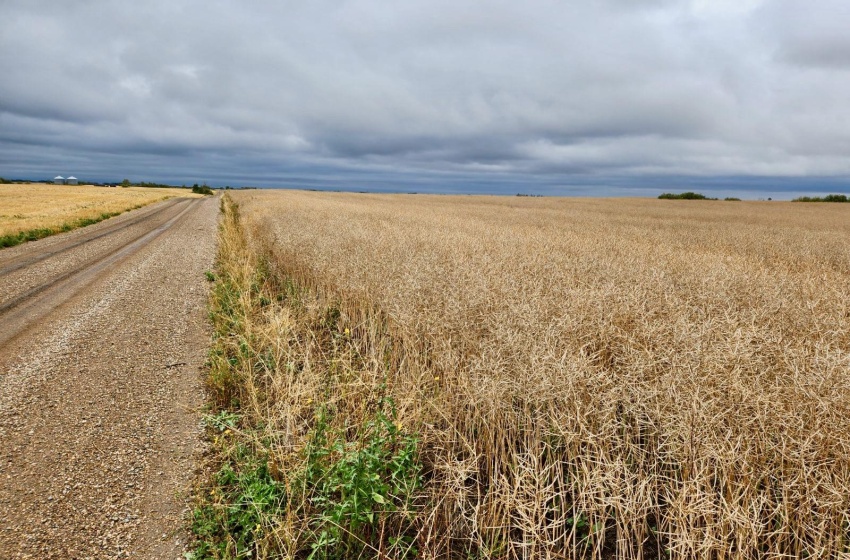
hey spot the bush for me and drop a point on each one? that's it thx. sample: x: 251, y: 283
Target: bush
x: 203, y: 189
x: 827, y: 198
x: 684, y: 196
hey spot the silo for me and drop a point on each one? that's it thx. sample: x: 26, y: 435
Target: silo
x: 59, y: 180
x: 71, y: 181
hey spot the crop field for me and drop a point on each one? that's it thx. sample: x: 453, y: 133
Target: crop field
x: 36, y: 210
x: 404, y: 376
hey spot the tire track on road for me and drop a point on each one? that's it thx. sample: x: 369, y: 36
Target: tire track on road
x: 27, y: 258
x: 27, y: 308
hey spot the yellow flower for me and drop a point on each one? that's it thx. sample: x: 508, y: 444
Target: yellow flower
x: 436, y: 378
x: 347, y: 331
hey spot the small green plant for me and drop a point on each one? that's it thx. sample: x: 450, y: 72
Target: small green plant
x: 245, y: 504
x: 210, y: 276
x: 224, y: 420
x: 361, y: 491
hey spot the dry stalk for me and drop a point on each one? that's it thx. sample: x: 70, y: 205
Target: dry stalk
x: 590, y: 378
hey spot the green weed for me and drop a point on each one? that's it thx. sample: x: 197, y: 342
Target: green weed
x: 224, y: 420
x: 243, y: 504
x: 361, y: 490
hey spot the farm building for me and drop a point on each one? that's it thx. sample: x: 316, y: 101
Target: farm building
x: 71, y: 181
x: 59, y: 180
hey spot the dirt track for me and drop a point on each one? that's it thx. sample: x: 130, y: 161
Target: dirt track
x: 101, y: 340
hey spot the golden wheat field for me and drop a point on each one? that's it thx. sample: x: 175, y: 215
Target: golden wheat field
x: 25, y: 207
x: 582, y: 378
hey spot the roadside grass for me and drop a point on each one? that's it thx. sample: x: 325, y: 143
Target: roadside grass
x: 34, y: 211
x: 307, y: 455
x: 475, y: 377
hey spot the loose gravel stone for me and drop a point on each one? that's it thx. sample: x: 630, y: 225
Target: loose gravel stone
x: 99, y: 400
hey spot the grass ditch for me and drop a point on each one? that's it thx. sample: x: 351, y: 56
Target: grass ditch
x: 308, y: 458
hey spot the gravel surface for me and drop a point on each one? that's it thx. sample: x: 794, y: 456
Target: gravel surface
x: 100, y: 388
x: 33, y: 266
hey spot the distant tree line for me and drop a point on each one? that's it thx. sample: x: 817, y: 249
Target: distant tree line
x: 4, y: 181
x: 199, y: 189
x: 827, y: 198
x: 684, y: 196
x: 158, y: 186
x: 196, y: 188
x: 692, y: 196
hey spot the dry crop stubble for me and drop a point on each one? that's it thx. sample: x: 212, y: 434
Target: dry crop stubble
x: 587, y: 377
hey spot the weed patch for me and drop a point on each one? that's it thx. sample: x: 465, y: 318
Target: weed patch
x: 357, y: 491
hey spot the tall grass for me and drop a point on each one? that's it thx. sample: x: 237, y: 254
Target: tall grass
x: 581, y: 378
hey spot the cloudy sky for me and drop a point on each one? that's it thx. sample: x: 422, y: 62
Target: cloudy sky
x: 555, y: 97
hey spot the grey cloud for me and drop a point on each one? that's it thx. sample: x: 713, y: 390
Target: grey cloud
x: 557, y: 92
x: 812, y: 34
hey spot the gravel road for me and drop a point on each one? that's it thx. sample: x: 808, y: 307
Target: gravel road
x: 102, y: 336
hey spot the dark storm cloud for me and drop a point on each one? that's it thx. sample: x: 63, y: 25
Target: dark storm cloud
x: 602, y: 95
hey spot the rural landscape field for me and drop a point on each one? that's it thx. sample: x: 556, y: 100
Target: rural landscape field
x: 402, y: 376
x: 33, y: 211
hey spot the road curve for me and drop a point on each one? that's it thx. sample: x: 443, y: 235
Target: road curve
x: 102, y: 335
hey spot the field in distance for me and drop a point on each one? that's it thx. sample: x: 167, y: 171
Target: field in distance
x: 493, y: 377
x: 41, y: 209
